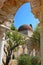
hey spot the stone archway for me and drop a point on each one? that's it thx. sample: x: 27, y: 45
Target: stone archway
x: 8, y: 9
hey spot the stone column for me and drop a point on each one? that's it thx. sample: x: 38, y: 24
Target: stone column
x: 23, y: 49
x: 41, y: 40
x: 1, y: 36
x: 41, y: 35
x: 33, y: 52
x: 0, y: 51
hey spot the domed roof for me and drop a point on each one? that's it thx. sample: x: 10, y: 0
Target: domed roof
x: 25, y: 27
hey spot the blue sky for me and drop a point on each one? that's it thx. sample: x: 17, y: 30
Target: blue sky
x: 25, y: 16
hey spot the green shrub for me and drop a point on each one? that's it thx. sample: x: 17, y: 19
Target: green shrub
x: 35, y: 60
x: 24, y: 60
x: 27, y: 60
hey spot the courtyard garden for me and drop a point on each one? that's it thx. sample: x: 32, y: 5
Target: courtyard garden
x: 15, y: 39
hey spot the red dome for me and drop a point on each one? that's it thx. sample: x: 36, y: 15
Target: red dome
x: 25, y: 27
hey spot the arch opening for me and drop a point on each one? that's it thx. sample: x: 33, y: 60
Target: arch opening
x: 25, y: 15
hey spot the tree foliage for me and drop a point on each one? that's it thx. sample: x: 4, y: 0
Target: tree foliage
x: 13, y: 39
x: 13, y: 27
x: 35, y: 39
